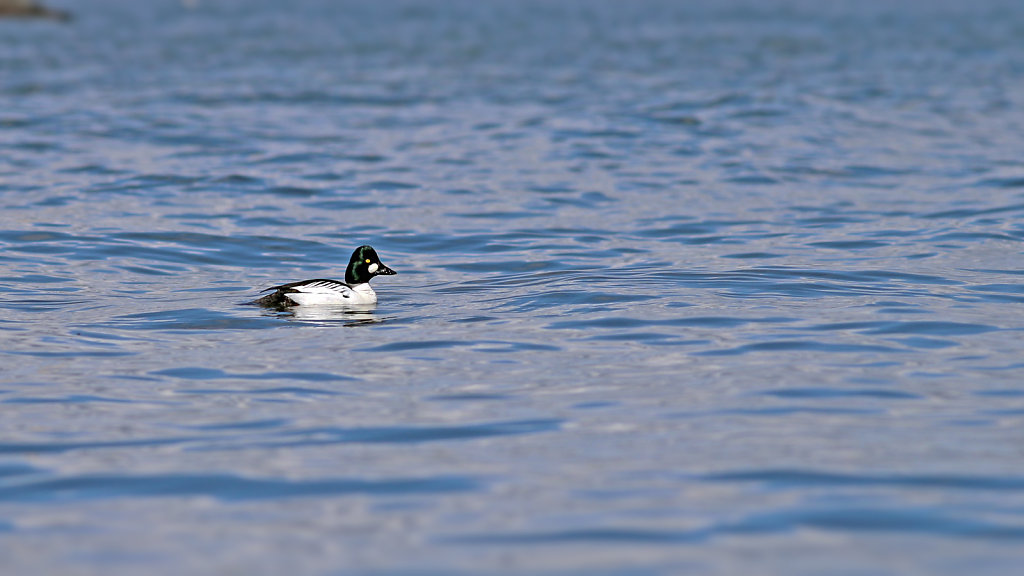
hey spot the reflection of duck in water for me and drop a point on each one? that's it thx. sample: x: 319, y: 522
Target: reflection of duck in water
x: 30, y: 9
x: 355, y: 290
x: 328, y: 315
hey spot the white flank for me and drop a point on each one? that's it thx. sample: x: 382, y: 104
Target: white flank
x: 320, y: 293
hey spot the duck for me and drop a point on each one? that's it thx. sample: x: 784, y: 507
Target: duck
x: 355, y: 290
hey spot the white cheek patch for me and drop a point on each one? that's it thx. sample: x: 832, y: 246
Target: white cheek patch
x: 372, y: 268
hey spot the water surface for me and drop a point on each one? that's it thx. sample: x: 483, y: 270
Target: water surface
x: 708, y: 287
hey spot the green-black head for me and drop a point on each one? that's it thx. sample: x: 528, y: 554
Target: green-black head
x: 365, y: 264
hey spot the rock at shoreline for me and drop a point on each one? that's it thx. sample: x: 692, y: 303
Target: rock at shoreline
x: 29, y: 9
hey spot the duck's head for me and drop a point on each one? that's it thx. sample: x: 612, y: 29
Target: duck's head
x: 365, y: 264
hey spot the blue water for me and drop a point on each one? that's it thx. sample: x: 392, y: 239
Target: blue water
x: 704, y: 287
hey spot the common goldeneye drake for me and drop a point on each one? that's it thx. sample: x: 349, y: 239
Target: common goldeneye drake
x: 363, y: 265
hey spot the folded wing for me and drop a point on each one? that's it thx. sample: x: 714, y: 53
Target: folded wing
x: 319, y: 291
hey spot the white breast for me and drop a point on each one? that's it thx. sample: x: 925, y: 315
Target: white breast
x: 335, y: 293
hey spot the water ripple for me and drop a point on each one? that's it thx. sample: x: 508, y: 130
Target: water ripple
x: 417, y: 434
x: 197, y: 373
x: 794, y: 479
x: 297, y: 437
x: 909, y: 520
x: 224, y: 487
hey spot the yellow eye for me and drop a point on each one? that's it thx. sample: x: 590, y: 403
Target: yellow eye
x: 367, y: 260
